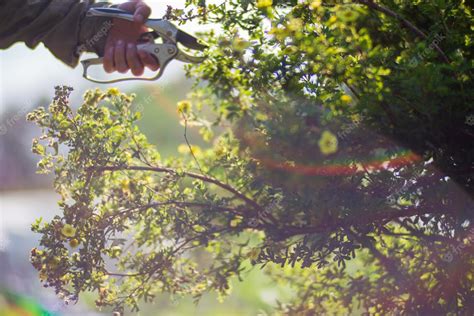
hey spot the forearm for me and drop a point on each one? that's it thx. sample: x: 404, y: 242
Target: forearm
x: 61, y: 25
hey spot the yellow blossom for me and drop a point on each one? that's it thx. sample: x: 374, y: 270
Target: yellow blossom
x: 74, y: 243
x: 328, y: 143
x: 199, y: 228
x: 261, y: 4
x: 184, y: 106
x: 220, y: 151
x: 68, y: 230
x: 356, y: 118
x: 295, y: 24
x: 184, y: 149
x: 346, y: 98
x: 53, y: 263
x: 125, y: 185
x: 332, y: 19
x: 315, y: 4
x: 113, y: 91
x: 236, y: 221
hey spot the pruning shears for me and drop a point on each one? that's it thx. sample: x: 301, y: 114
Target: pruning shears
x: 164, y: 52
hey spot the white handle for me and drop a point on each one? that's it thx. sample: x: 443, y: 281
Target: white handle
x: 164, y: 53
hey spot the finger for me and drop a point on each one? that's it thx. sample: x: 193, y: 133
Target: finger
x: 149, y: 61
x: 133, y: 60
x: 120, y: 58
x: 109, y: 60
x: 142, y: 12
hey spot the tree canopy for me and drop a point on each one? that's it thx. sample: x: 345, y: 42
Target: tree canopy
x: 340, y: 161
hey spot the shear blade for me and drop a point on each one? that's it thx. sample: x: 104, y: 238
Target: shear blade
x: 109, y: 11
x: 189, y: 41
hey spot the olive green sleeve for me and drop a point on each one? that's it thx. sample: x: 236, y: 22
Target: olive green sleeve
x: 61, y: 25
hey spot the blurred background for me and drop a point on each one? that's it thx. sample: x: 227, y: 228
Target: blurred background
x: 27, y: 80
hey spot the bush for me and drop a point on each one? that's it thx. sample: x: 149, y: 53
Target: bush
x: 346, y: 172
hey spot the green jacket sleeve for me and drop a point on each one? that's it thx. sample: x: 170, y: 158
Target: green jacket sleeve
x: 61, y: 25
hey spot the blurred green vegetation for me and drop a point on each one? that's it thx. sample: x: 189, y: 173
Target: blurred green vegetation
x: 160, y: 120
x: 255, y: 294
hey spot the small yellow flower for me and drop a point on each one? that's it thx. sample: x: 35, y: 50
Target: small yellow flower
x: 356, y: 118
x: 184, y: 106
x: 236, y: 221
x: 295, y: 24
x: 184, y: 149
x: 125, y: 185
x: 68, y: 230
x: 74, y: 243
x: 346, y: 98
x: 261, y: 4
x: 220, y: 151
x: 52, y: 263
x: 55, y: 261
x: 199, y: 228
x: 328, y: 143
x: 315, y: 4
x: 113, y: 91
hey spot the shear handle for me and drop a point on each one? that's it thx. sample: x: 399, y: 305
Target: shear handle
x: 185, y: 58
x: 164, y: 28
x: 164, y: 53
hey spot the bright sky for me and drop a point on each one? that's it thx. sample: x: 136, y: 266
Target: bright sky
x: 27, y: 75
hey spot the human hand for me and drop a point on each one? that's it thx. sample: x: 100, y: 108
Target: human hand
x: 121, y: 53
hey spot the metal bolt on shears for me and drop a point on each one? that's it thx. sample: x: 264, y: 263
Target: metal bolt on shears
x: 163, y: 52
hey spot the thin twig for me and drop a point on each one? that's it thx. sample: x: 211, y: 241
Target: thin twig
x: 177, y: 203
x: 187, y: 141
x: 193, y: 175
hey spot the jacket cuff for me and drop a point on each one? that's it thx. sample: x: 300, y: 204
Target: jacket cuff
x: 93, y: 33
x: 62, y: 38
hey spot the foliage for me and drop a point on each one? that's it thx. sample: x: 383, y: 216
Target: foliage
x: 347, y: 170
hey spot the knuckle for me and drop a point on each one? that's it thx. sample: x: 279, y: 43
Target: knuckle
x: 122, y: 69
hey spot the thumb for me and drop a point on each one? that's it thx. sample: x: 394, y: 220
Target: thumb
x: 140, y: 10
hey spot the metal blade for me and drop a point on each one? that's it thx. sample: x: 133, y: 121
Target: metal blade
x: 185, y: 58
x: 110, y: 13
x: 189, y: 41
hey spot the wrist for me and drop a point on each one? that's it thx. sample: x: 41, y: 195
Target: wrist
x: 93, y: 34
